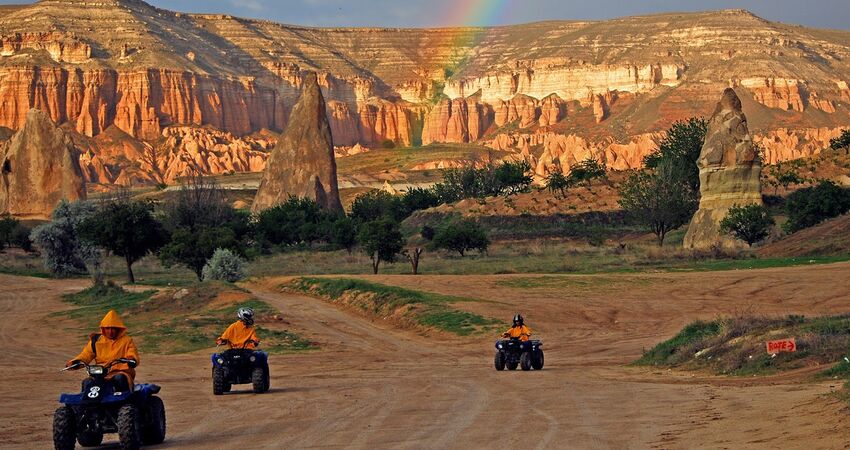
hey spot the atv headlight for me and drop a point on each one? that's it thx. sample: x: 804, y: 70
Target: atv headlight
x: 220, y: 360
x: 252, y: 358
x: 500, y: 345
x: 95, y: 370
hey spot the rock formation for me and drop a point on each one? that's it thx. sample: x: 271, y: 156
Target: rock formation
x: 302, y: 164
x: 729, y: 174
x: 39, y: 167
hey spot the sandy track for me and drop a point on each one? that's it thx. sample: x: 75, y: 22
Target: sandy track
x: 372, y: 386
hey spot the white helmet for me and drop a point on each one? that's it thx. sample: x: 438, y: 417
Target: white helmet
x: 246, y: 315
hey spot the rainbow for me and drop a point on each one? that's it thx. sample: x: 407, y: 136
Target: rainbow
x: 471, y: 13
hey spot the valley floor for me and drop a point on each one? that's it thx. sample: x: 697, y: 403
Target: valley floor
x: 374, y: 386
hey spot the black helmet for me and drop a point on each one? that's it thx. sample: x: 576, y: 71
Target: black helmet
x: 246, y: 315
x: 518, y: 320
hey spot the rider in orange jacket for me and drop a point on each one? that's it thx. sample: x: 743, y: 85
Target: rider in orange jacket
x: 518, y: 329
x: 241, y: 334
x: 110, y: 345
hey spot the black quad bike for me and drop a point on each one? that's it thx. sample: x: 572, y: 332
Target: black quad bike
x: 138, y: 416
x: 240, y: 366
x: 512, y: 352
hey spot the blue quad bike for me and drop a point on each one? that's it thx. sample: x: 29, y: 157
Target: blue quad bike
x: 240, y: 366
x: 138, y: 416
x: 511, y: 353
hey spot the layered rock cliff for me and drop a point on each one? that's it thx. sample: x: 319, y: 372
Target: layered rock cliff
x: 128, y: 66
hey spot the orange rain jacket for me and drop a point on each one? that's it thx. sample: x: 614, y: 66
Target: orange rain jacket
x: 521, y: 332
x: 237, y: 334
x: 107, y: 350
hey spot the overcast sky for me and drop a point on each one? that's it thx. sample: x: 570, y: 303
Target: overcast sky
x: 429, y: 13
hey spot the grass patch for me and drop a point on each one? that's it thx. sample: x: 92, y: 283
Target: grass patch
x: 425, y: 309
x: 736, y: 346
x: 165, y: 323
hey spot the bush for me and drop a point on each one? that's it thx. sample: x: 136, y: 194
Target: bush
x: 810, y: 206
x: 8, y: 224
x: 428, y: 233
x: 461, y: 237
x: 21, y: 238
x: 192, y: 248
x: 586, y: 171
x: 381, y: 240
x: 512, y: 178
x: 63, y: 251
x: 460, y: 183
x: 557, y: 184
x: 417, y: 199
x: 840, y: 142
x: 224, y: 265
x: 751, y: 223
x: 297, y: 220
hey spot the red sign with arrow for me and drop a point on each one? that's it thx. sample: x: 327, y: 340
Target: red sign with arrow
x: 782, y: 345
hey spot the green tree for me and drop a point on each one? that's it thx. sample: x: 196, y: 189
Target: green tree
x: 511, y: 178
x: 751, y: 223
x: 374, y: 205
x: 192, y: 248
x: 381, y: 240
x: 812, y: 205
x: 681, y: 147
x: 416, y: 199
x: 344, y: 233
x: 461, y: 236
x: 586, y: 171
x: 297, y: 220
x: 557, y: 184
x: 127, y: 229
x: 8, y: 225
x: 658, y: 199
x: 840, y: 142
x: 784, y: 175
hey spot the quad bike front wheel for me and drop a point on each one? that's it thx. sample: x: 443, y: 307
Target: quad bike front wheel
x: 64, y: 425
x: 154, y: 432
x: 220, y: 386
x: 525, y: 361
x: 511, y: 365
x: 537, y: 360
x: 258, y: 380
x: 129, y: 427
x: 89, y: 439
x: 500, y: 361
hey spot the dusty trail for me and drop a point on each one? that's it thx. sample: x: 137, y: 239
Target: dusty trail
x: 373, y: 386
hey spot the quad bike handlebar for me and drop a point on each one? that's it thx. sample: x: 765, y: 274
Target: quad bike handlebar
x: 79, y: 364
x: 220, y: 342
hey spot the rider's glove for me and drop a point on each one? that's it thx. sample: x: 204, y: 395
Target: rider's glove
x: 73, y: 363
x: 132, y: 363
x: 219, y: 341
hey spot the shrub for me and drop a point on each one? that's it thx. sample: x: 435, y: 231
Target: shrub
x: 224, y: 265
x: 557, y: 184
x: 192, y: 248
x: 417, y: 199
x: 810, y: 206
x: 507, y: 178
x: 428, y: 233
x: 461, y: 236
x: 381, y: 240
x: 511, y: 178
x: 751, y: 223
x: 21, y: 238
x: 840, y: 142
x: 8, y: 224
x: 586, y: 171
x: 63, y: 251
x: 388, y: 144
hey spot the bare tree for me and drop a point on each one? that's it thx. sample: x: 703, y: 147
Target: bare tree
x: 413, y: 258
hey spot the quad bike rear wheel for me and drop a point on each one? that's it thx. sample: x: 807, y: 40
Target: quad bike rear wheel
x: 129, y: 427
x: 89, y: 439
x: 154, y: 432
x: 220, y: 386
x: 537, y: 360
x: 525, y: 361
x: 500, y: 361
x: 64, y: 425
x: 258, y: 380
x: 268, y: 381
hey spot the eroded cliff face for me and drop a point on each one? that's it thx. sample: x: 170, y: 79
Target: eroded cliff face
x: 605, y: 88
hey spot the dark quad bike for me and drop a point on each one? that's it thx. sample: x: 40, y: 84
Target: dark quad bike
x: 240, y: 366
x: 511, y: 353
x: 138, y: 416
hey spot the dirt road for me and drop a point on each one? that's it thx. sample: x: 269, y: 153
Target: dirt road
x: 372, y: 386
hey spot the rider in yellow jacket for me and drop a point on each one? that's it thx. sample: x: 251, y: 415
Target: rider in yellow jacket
x: 111, y: 344
x: 241, y: 334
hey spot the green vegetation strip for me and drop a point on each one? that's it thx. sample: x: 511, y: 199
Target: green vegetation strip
x: 423, y: 308
x: 737, y: 346
x: 162, y: 324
